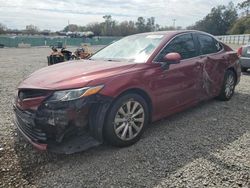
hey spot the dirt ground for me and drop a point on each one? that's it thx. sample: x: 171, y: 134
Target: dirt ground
x: 205, y: 146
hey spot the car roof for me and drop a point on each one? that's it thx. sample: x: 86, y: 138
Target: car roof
x: 174, y: 32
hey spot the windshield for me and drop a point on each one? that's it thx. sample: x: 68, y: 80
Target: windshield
x: 135, y: 48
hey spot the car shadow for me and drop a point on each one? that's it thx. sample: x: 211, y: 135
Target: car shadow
x: 246, y: 73
x: 166, y: 146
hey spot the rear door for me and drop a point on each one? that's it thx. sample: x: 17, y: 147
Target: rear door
x: 213, y: 62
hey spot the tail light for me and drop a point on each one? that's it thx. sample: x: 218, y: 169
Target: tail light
x: 239, y: 51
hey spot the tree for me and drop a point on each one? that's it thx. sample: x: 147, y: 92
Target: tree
x: 140, y: 24
x: 3, y: 29
x: 241, y: 26
x: 82, y: 28
x: 108, y: 25
x: 150, y: 26
x: 71, y: 28
x: 245, y: 6
x: 125, y: 28
x: 31, y: 29
x: 95, y: 28
x: 218, y: 21
x: 132, y: 27
x: 229, y: 17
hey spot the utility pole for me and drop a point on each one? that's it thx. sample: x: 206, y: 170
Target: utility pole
x: 68, y: 26
x: 174, y: 20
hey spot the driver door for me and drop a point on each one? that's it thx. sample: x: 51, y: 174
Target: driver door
x: 178, y: 86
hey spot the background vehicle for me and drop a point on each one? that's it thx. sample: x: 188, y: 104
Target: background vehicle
x: 120, y: 89
x: 244, y: 54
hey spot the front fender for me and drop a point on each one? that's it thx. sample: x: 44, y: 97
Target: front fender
x: 97, y: 117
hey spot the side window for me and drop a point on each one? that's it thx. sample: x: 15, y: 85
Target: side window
x: 184, y: 45
x: 218, y: 46
x: 208, y: 45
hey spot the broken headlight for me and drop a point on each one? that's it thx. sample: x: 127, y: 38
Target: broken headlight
x: 72, y: 94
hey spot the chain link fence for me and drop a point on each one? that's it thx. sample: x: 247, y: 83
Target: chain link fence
x: 15, y: 41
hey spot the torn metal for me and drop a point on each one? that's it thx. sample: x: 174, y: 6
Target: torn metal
x: 64, y: 127
x: 212, y: 69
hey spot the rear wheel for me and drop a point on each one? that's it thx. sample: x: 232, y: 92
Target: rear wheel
x: 228, y: 86
x: 126, y: 120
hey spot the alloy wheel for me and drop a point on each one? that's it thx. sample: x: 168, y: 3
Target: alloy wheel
x: 129, y: 120
x: 229, y: 87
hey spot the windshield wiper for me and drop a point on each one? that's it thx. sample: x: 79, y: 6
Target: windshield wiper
x: 111, y: 60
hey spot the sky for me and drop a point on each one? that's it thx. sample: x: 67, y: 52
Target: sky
x: 55, y: 14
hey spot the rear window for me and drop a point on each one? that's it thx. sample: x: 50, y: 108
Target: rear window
x: 208, y: 44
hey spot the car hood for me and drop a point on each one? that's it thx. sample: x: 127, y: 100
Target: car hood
x: 73, y: 74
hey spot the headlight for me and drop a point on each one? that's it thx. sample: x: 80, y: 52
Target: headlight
x: 68, y: 95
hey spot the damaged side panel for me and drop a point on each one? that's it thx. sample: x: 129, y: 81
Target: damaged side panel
x: 213, y: 71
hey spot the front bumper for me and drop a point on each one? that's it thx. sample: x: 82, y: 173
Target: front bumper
x: 24, y: 122
x: 27, y: 131
x: 62, y: 127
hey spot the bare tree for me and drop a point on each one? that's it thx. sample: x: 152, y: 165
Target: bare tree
x: 31, y: 29
x: 3, y: 29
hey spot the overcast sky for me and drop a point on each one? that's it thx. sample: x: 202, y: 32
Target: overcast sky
x: 55, y: 14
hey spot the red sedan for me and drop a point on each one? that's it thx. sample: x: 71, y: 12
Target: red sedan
x: 111, y: 97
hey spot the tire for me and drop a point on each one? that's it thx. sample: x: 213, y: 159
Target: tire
x: 227, y: 90
x: 243, y: 69
x: 122, y: 128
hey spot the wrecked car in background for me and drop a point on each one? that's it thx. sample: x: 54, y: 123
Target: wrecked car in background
x: 70, y: 107
x: 59, y: 56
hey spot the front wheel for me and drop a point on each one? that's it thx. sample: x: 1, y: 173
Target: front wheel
x: 228, y: 86
x: 126, y: 120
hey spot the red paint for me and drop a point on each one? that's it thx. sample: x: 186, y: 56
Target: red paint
x: 73, y: 74
x: 31, y: 103
x: 170, y: 90
x: 175, y: 57
x: 239, y: 52
x: 39, y: 146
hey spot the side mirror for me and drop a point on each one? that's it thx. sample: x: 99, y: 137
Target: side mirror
x: 171, y: 58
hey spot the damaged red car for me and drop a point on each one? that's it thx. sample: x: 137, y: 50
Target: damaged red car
x: 112, y: 96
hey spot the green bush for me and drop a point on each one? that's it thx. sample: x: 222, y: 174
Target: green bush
x: 241, y: 26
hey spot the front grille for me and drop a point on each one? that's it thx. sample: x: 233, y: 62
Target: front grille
x: 25, y: 122
x: 31, y: 93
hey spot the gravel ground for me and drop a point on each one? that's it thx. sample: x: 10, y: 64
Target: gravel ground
x: 205, y: 146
